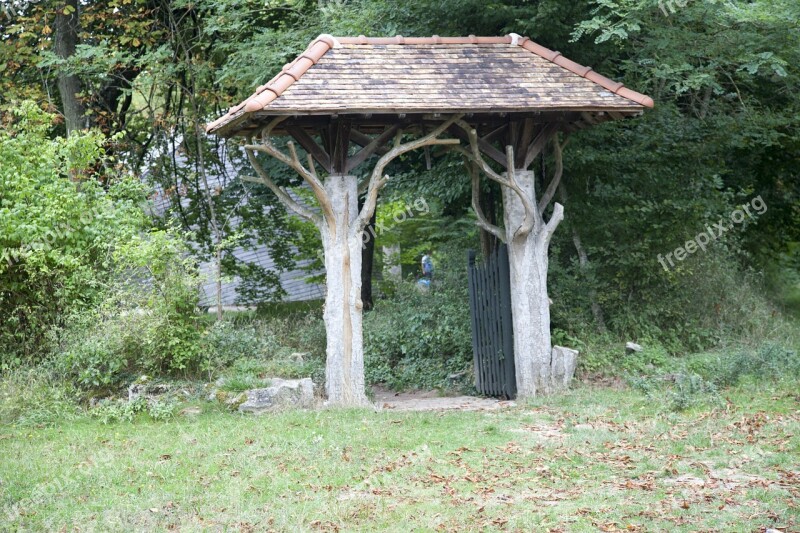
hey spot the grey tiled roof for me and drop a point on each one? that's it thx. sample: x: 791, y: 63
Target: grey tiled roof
x: 293, y: 282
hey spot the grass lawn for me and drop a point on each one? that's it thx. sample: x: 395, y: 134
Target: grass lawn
x: 595, y: 459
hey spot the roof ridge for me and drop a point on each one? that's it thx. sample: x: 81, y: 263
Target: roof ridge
x: 615, y: 87
x: 292, y: 72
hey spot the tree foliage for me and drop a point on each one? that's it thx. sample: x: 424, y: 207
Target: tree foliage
x: 723, y: 74
x: 58, y: 225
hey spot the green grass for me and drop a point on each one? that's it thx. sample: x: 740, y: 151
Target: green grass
x: 597, y: 458
x: 243, y: 383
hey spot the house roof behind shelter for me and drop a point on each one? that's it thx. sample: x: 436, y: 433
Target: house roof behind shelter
x: 423, y: 75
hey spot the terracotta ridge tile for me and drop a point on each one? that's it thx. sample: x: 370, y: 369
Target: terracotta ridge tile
x: 276, y: 86
x: 584, y: 72
x: 436, y: 39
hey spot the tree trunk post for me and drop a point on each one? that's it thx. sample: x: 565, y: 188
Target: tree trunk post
x: 528, y: 263
x: 342, y: 242
x: 392, y: 269
x: 540, y: 368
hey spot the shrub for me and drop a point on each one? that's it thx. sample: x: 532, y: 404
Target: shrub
x: 58, y: 226
x: 109, y: 411
x: 288, y: 346
x: 706, y: 301
x: 35, y: 396
x: 769, y: 362
x: 148, y: 323
x: 697, y: 380
x: 225, y: 343
x: 416, y: 339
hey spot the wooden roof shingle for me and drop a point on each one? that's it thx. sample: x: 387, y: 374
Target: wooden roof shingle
x: 421, y: 75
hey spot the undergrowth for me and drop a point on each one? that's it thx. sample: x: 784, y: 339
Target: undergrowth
x: 699, y: 380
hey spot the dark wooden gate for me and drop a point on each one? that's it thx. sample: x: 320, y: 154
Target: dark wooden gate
x: 492, y: 329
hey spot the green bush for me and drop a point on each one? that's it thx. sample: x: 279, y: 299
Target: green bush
x: 769, y: 362
x: 36, y: 396
x: 149, y: 321
x: 110, y: 411
x: 696, y: 380
x: 706, y: 301
x: 417, y: 338
x: 58, y: 227
x: 226, y: 342
x: 286, y: 342
x: 605, y: 355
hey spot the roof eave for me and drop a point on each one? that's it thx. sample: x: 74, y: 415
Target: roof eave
x: 236, y: 124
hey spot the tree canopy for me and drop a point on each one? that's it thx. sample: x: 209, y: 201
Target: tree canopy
x: 723, y: 74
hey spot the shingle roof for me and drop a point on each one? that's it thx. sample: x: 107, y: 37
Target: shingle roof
x: 360, y: 75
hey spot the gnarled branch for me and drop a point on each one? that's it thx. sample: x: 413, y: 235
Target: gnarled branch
x: 531, y: 213
x: 558, y: 150
x: 555, y: 220
x: 266, y: 131
x: 473, y: 168
x: 293, y: 161
x: 378, y: 180
x: 482, y: 221
x: 280, y: 192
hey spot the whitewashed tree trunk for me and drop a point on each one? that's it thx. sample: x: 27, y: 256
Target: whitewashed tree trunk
x: 528, y: 263
x: 341, y: 239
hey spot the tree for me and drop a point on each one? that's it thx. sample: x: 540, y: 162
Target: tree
x: 69, y: 86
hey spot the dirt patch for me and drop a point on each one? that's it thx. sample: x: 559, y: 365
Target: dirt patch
x: 432, y: 401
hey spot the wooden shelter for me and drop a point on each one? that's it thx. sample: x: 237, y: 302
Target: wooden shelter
x: 503, y: 99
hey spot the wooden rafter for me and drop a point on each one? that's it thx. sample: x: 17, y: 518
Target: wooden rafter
x: 340, y: 145
x: 311, y: 146
x: 523, y: 138
x: 485, y: 146
x: 495, y: 133
x: 362, y: 139
x: 539, y: 142
x: 373, y: 146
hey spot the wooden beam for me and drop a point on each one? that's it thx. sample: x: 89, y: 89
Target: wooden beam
x: 341, y: 146
x: 370, y: 148
x: 590, y: 118
x: 521, y: 143
x: 362, y: 139
x: 513, y: 134
x: 539, y: 142
x: 485, y: 147
x: 494, y: 134
x: 310, y: 146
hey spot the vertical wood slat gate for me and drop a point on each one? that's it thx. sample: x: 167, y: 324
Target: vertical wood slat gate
x: 492, y: 329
